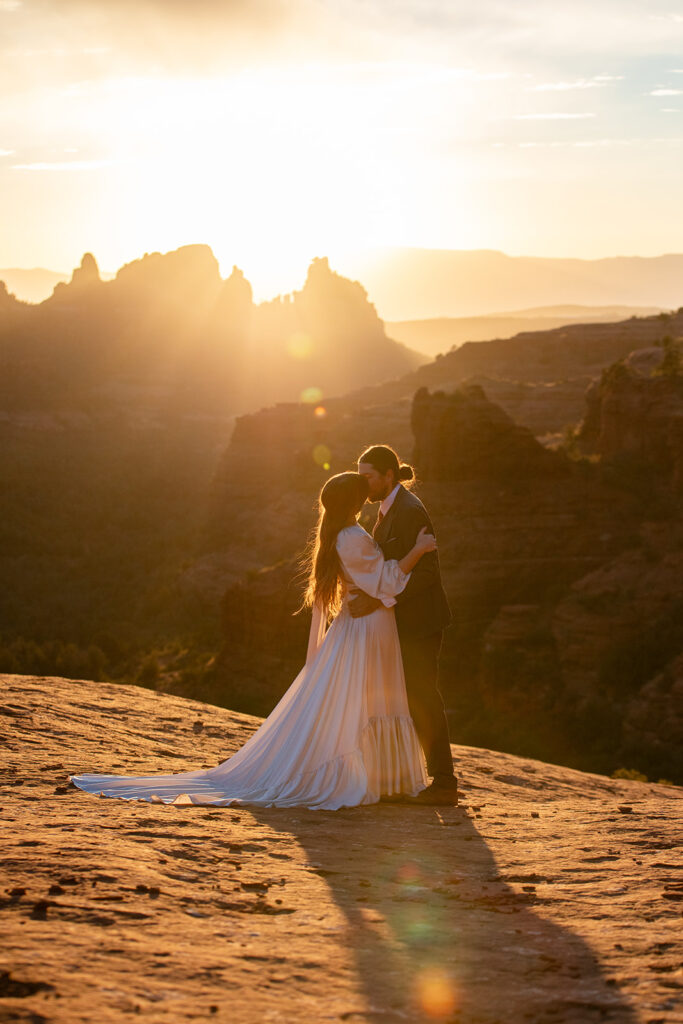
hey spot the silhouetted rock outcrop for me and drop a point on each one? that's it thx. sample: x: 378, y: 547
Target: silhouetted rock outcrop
x: 188, y: 273
x: 235, y: 302
x: 169, y: 336
x: 88, y: 273
x: 334, y: 307
x: 73, y: 295
x: 319, y: 342
x: 464, y: 436
x: 636, y: 411
x: 6, y: 298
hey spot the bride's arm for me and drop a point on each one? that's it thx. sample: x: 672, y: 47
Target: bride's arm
x: 377, y: 580
x: 424, y: 542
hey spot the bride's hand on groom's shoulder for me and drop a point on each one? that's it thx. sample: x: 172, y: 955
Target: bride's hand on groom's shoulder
x: 425, y: 541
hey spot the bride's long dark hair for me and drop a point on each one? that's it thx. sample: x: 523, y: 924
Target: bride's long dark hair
x: 341, y: 496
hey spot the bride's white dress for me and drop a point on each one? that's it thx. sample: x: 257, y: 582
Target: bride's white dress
x: 341, y: 735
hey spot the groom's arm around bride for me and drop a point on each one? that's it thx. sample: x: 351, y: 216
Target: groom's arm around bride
x: 422, y: 607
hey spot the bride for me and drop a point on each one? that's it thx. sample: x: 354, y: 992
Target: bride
x: 342, y: 734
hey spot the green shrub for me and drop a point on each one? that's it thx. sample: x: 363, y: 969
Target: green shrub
x: 629, y: 773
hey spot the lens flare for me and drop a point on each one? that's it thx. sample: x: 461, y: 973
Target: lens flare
x: 436, y: 993
x: 322, y: 455
x: 300, y: 345
x: 418, y: 931
x: 320, y: 412
x: 311, y: 395
x: 409, y: 874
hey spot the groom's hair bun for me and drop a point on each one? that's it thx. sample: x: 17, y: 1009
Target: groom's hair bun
x: 384, y: 458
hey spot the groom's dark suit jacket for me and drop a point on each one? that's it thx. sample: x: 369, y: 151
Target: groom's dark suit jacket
x: 422, y: 608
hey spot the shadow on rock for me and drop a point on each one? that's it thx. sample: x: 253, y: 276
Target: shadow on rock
x: 435, y: 932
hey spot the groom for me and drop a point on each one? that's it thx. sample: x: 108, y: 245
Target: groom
x: 422, y: 613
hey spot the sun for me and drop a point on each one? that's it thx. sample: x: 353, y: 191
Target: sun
x: 270, y: 166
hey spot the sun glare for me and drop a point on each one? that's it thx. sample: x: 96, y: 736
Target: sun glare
x: 271, y: 167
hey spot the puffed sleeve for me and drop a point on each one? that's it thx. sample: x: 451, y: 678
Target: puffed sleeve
x: 366, y: 566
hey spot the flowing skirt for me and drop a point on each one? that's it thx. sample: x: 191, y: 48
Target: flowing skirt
x: 340, y: 736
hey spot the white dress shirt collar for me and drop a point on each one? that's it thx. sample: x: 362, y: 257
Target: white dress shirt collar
x: 389, y: 501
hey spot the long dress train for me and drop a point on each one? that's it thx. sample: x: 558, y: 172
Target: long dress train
x: 340, y: 736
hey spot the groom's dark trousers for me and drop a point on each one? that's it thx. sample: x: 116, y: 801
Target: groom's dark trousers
x: 422, y: 613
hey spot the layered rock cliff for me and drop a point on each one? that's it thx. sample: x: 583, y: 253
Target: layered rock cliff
x: 539, y: 377
x: 635, y: 412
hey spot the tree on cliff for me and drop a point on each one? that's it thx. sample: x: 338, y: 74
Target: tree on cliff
x: 671, y: 364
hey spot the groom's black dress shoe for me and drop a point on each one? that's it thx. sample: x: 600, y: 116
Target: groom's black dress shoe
x: 435, y: 795
x: 439, y: 794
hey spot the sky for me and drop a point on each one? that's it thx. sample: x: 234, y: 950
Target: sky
x: 280, y: 130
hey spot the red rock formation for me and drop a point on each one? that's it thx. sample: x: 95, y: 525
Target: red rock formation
x: 636, y: 411
x: 464, y: 436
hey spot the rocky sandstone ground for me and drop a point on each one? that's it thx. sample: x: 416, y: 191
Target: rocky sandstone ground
x: 549, y: 895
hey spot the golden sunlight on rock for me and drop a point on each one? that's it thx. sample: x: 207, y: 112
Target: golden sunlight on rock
x: 537, y: 899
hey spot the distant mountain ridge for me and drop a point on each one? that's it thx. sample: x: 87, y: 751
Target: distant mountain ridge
x: 412, y: 284
x: 439, y: 335
x: 417, y: 284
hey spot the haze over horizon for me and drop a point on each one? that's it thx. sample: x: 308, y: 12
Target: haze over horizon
x: 417, y: 285
x: 278, y: 131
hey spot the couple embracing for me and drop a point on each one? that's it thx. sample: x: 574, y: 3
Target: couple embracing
x: 364, y: 713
